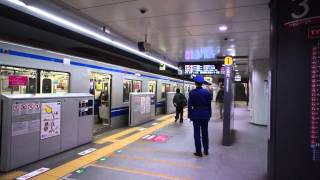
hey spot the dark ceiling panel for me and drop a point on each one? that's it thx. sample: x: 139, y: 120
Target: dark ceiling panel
x: 29, y: 30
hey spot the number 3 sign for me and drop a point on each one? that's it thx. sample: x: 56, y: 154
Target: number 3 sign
x: 306, y: 8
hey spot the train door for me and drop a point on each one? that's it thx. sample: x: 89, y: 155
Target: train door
x: 152, y: 87
x: 100, y: 86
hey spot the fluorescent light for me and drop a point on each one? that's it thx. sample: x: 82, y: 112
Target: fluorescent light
x: 137, y: 74
x: 78, y: 28
x: 236, y: 70
x: 17, y: 2
x: 223, y: 28
x: 229, y: 49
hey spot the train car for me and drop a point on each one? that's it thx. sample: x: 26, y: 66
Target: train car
x: 43, y: 71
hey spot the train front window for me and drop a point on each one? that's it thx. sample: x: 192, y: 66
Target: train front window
x: 14, y: 80
x: 137, y: 86
x: 127, y: 88
x: 54, y: 82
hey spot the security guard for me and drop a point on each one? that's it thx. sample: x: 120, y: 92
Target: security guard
x: 199, y: 112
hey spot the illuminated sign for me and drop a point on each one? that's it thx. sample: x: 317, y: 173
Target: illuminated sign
x: 237, y: 78
x: 200, y: 69
x: 162, y: 67
x: 228, y: 60
x: 201, y: 53
x: 203, y: 68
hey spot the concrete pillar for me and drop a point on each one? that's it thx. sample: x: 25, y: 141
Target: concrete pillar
x: 260, y: 92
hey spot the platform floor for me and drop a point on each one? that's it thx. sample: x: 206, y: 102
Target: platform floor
x: 123, y: 154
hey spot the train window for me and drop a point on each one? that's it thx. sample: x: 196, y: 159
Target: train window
x: 164, y: 89
x: 137, y: 86
x: 174, y: 87
x: 14, y: 80
x: 152, y: 85
x: 54, y: 82
x: 127, y: 88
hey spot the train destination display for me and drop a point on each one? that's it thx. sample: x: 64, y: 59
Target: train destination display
x: 203, y: 68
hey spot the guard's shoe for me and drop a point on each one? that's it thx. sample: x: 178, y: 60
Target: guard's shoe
x: 206, y: 153
x: 198, y: 154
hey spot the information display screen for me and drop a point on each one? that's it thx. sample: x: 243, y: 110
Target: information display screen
x: 204, y: 68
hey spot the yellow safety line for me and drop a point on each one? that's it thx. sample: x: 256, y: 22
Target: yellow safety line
x: 117, y: 135
x: 73, y: 165
x: 140, y: 172
x: 12, y: 175
x: 171, y: 163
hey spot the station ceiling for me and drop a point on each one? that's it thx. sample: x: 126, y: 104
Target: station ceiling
x: 186, y: 30
x: 178, y: 30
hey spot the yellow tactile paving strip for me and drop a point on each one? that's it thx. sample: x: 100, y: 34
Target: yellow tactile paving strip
x: 114, y: 137
x: 76, y: 164
x: 12, y: 175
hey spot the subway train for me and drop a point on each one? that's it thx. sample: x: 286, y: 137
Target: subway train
x: 50, y: 72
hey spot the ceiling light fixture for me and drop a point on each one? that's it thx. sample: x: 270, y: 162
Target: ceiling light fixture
x: 223, y: 28
x: 85, y: 31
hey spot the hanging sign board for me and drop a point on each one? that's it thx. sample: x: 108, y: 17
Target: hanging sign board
x: 162, y: 67
x: 228, y: 60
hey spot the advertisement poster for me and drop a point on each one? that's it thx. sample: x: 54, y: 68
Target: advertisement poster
x: 18, y: 80
x: 25, y: 127
x: 50, y: 119
x: 143, y: 105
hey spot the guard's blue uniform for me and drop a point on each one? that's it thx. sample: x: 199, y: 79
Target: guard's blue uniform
x: 199, y: 111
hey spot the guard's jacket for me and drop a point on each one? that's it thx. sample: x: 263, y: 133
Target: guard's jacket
x: 199, y: 104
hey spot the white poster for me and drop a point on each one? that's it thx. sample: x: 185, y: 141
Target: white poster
x: 148, y: 104
x: 25, y: 127
x: 50, y: 119
x: 143, y: 105
x: 19, y: 128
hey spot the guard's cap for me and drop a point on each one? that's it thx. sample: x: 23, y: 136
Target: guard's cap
x: 199, y: 79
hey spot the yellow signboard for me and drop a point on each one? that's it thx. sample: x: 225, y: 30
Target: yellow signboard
x: 228, y: 60
x: 162, y: 67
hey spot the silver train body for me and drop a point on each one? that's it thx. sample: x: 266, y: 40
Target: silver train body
x: 80, y: 70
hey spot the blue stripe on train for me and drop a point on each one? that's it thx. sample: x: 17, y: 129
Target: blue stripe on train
x: 75, y: 63
x: 99, y: 67
x: 160, y: 104
x: 119, y: 111
x: 33, y: 56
